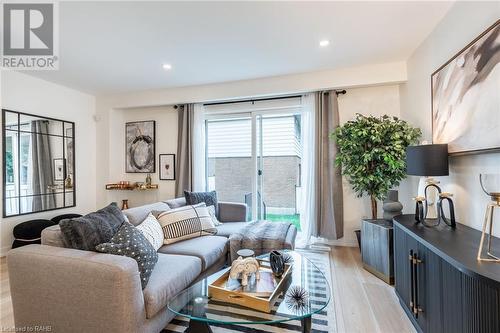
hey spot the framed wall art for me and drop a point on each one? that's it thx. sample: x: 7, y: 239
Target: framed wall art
x: 167, y: 166
x: 140, y: 147
x: 466, y: 98
x: 59, y: 169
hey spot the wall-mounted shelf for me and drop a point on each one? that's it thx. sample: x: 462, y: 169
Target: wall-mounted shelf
x: 131, y: 187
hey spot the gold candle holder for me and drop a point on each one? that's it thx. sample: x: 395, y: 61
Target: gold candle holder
x: 488, y: 217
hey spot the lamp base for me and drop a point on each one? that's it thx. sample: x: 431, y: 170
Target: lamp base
x: 487, y: 231
x: 431, y: 196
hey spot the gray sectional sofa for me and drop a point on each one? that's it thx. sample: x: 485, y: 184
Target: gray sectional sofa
x: 81, y: 291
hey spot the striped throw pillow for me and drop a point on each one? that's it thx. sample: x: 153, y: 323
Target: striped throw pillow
x: 185, y: 223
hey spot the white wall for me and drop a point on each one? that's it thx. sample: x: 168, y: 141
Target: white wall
x: 108, y: 106
x: 464, y: 22
x: 375, y: 101
x: 166, y: 143
x: 21, y: 92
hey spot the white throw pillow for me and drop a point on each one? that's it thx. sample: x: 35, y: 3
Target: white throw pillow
x: 186, y: 222
x: 211, y: 211
x: 151, y: 229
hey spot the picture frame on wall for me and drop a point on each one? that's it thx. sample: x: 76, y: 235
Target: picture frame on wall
x: 140, y: 147
x: 59, y: 169
x: 465, y: 97
x: 167, y: 166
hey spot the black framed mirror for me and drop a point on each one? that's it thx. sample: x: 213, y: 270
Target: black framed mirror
x: 38, y: 158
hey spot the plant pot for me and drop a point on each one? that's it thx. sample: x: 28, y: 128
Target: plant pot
x: 358, y: 236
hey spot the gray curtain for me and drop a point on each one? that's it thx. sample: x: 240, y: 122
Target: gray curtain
x: 184, y: 158
x: 42, y: 172
x: 329, y: 221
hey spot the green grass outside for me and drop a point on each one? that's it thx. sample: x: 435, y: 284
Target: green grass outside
x: 294, y: 219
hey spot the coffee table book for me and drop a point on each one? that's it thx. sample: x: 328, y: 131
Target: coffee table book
x: 258, y: 294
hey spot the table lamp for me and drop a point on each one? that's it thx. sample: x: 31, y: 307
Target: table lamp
x: 427, y: 161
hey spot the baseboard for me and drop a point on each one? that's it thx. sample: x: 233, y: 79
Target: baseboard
x: 338, y: 242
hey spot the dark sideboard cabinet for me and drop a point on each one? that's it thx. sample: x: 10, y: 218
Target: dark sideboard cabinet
x: 440, y: 284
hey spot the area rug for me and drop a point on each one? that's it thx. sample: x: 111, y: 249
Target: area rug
x: 322, y: 322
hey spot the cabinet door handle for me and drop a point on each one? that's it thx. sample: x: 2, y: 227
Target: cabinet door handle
x: 417, y: 262
x: 415, y: 282
x: 412, y: 280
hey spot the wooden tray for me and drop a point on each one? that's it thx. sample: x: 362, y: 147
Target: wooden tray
x: 217, y: 290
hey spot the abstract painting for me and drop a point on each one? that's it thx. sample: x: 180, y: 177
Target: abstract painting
x: 167, y: 166
x: 466, y: 97
x: 140, y: 147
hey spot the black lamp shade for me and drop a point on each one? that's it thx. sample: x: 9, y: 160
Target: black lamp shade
x: 427, y: 160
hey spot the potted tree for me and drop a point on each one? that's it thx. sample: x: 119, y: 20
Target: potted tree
x: 372, y: 154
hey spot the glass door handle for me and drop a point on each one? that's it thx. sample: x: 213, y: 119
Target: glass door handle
x: 259, y: 172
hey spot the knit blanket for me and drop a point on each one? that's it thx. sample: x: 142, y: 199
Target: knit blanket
x: 259, y: 236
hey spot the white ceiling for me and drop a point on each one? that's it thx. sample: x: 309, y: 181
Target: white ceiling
x: 113, y: 47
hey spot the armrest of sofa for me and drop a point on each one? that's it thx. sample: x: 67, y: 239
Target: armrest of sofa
x: 75, y: 291
x: 232, y: 212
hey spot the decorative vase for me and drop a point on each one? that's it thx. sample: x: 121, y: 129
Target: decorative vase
x: 124, y: 204
x: 391, y: 206
x: 277, y: 263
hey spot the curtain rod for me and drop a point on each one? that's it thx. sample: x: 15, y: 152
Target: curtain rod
x: 338, y: 92
x: 253, y: 100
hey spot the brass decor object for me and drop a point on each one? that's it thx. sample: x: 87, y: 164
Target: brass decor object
x: 490, y: 183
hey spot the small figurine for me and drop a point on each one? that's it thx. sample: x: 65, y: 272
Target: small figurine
x: 245, y: 267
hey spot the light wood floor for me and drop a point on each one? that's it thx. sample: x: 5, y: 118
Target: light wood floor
x: 363, y: 303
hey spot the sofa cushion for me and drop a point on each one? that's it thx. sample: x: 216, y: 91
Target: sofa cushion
x: 151, y: 229
x: 52, y: 236
x: 211, y: 211
x: 130, y: 242
x: 209, y: 198
x: 208, y: 248
x: 229, y: 228
x: 86, y: 232
x: 138, y: 214
x: 186, y: 222
x: 172, y: 274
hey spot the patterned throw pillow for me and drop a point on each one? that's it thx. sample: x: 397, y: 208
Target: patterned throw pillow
x: 185, y: 223
x: 209, y: 198
x: 211, y: 211
x: 86, y: 232
x: 130, y: 242
x: 151, y: 229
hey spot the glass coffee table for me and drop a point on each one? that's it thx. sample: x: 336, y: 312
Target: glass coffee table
x: 202, y: 311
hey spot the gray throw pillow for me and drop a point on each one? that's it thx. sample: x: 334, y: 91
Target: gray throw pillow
x: 130, y: 242
x: 86, y: 232
x: 209, y: 198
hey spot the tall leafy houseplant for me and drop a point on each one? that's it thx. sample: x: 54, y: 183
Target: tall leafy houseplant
x: 372, y: 154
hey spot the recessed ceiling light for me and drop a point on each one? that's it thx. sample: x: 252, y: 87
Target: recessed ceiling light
x: 324, y: 42
x: 167, y: 67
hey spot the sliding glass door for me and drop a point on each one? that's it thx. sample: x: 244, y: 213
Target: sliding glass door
x: 279, y: 153
x: 255, y: 157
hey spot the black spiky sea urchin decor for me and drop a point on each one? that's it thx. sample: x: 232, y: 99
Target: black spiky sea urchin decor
x: 297, y: 298
x: 287, y: 258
